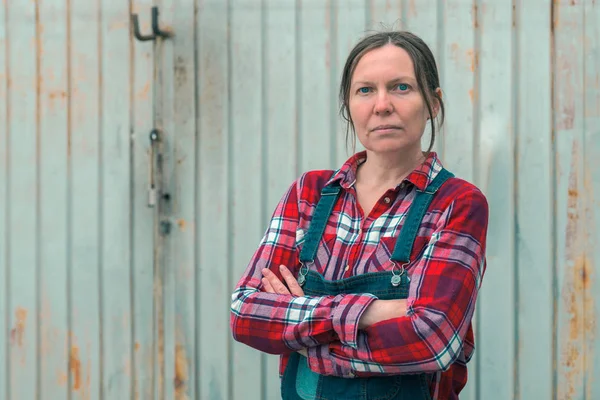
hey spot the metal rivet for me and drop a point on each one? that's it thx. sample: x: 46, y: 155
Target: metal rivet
x: 387, y: 200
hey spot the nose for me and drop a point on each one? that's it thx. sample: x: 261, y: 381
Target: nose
x: 383, y: 104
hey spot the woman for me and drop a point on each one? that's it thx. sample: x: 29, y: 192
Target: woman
x: 366, y: 279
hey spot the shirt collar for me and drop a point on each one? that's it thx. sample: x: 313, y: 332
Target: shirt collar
x: 420, y: 177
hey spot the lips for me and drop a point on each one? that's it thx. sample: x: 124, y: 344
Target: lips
x: 386, y: 128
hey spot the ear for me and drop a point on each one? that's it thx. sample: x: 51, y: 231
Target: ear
x: 436, y: 103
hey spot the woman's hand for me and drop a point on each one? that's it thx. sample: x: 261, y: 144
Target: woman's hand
x: 272, y: 284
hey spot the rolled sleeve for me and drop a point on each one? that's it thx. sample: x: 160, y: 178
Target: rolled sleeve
x: 346, y: 316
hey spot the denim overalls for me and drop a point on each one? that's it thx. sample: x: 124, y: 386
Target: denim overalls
x: 298, y: 381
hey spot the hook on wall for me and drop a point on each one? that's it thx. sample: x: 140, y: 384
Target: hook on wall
x: 156, y: 31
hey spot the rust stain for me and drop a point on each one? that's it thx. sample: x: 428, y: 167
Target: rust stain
x: 75, y: 366
x: 57, y: 94
x: 137, y: 346
x: 62, y: 378
x: 473, y: 58
x: 17, y: 333
x: 143, y: 94
x: 181, y: 373
x: 454, y: 51
x: 181, y: 224
x: 412, y: 8
x: 475, y: 16
x: 472, y: 95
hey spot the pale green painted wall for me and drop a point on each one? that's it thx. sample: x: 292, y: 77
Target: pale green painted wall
x: 97, y: 303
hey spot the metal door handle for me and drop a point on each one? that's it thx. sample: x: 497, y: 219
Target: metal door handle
x: 154, y: 139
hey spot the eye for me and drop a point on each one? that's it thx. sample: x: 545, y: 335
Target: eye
x: 364, y: 90
x: 403, y: 87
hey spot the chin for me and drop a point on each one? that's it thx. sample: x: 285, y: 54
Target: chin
x: 392, y: 146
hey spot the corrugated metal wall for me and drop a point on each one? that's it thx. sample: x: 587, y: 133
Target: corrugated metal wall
x: 105, y: 297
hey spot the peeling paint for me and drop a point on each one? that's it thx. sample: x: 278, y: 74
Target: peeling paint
x: 17, y: 333
x: 181, y: 224
x: 181, y: 373
x: 75, y: 366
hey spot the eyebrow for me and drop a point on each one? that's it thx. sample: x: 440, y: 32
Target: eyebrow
x: 400, y: 78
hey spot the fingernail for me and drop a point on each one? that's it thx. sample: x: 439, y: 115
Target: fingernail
x: 265, y: 271
x: 282, y: 267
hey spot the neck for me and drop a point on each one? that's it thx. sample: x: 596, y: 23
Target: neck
x: 388, y: 169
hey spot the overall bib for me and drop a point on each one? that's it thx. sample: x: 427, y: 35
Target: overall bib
x: 298, y: 381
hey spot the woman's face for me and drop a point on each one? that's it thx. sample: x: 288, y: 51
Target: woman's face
x: 386, y: 107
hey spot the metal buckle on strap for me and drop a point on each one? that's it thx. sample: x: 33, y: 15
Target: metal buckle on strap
x: 397, y: 276
x: 302, y: 274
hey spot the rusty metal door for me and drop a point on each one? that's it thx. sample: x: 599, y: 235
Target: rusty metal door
x: 87, y: 305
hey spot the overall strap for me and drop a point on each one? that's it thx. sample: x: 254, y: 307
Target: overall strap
x: 417, y: 210
x: 329, y: 195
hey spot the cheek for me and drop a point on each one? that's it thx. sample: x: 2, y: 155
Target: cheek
x: 358, y: 112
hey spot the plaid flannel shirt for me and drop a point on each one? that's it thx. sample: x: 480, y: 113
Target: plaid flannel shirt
x: 446, y: 269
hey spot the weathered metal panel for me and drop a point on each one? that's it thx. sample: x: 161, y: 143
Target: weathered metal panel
x: 100, y: 301
x: 53, y: 196
x: 142, y: 280
x: 494, y: 146
x: 591, y: 179
x: 83, y: 222
x: 4, y: 206
x: 246, y: 153
x: 23, y: 241
x: 213, y: 191
x: 574, y: 311
x: 533, y: 179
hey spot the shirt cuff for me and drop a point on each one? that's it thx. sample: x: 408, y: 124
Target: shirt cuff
x: 346, y: 315
x: 321, y: 361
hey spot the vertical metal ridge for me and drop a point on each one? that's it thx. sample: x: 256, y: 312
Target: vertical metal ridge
x: 264, y: 150
x: 333, y: 78
x: 585, y: 199
x: 38, y: 200
x: 7, y: 208
x: 229, y: 222
x: 197, y: 193
x: 476, y: 90
x: 69, y: 222
x: 100, y: 196
x: 515, y: 53
x: 298, y: 85
x: 476, y: 135
x: 368, y: 15
x: 553, y: 198
x: 440, y: 56
x: 403, y: 15
x: 132, y: 198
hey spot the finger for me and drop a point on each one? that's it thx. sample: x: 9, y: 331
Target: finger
x: 291, y: 281
x: 275, y: 282
x: 267, y: 285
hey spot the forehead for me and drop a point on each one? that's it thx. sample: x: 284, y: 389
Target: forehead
x: 386, y: 62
